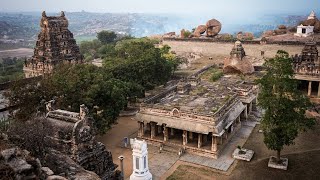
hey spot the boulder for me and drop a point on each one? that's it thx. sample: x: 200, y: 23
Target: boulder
x: 280, y: 31
x: 268, y: 33
x: 199, y: 30
x: 245, y: 36
x: 282, y: 27
x: 213, y: 27
x: 170, y: 34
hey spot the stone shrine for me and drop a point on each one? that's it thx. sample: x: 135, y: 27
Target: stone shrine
x: 55, y: 45
x: 140, y: 161
x: 73, y: 136
x: 238, y: 62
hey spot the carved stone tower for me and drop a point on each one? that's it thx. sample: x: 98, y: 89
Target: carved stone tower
x: 55, y: 45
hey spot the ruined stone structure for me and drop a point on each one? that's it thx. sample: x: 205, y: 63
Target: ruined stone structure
x: 237, y: 62
x: 307, y: 66
x: 198, y: 116
x: 55, y: 45
x: 73, y: 136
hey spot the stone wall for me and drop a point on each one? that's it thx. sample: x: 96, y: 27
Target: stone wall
x: 211, y: 48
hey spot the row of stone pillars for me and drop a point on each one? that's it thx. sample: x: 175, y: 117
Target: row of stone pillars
x: 186, y: 135
x: 310, y: 89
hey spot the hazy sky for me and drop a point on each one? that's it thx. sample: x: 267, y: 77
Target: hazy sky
x: 226, y: 7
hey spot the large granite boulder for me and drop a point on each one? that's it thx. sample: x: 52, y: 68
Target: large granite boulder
x: 213, y: 27
x: 182, y: 33
x: 268, y: 33
x: 201, y: 29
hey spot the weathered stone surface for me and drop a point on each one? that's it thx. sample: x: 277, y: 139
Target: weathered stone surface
x: 274, y: 164
x: 170, y: 34
x: 200, y: 30
x: 213, y: 27
x: 243, y: 154
x: 74, y: 137
x: 18, y: 164
x: 237, y: 62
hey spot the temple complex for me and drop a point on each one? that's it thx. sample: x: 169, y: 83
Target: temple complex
x: 307, y: 67
x: 55, y: 45
x: 196, y: 114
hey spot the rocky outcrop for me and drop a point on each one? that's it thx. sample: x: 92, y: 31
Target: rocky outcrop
x: 245, y: 36
x: 238, y: 62
x: 18, y: 164
x: 182, y: 33
x: 201, y: 29
x: 213, y: 27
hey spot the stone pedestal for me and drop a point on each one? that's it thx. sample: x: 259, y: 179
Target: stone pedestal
x: 273, y: 163
x: 243, y: 154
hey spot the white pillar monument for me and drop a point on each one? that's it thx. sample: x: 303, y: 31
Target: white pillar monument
x: 140, y: 161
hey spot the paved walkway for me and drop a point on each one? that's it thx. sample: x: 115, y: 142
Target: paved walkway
x: 225, y: 160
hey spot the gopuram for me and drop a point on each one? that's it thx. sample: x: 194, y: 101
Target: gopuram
x: 195, y: 114
x: 55, y: 45
x: 307, y: 68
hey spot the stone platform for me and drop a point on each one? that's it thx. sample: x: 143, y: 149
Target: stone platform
x: 273, y: 164
x: 246, y: 156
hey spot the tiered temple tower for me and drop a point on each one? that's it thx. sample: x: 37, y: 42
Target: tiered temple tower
x: 55, y: 45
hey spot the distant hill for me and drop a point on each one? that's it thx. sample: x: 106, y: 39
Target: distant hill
x: 85, y: 25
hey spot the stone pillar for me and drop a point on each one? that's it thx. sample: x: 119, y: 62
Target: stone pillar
x: 185, y: 137
x: 153, y: 130
x: 250, y: 107
x: 191, y: 135
x: 309, y: 88
x: 165, y: 133
x: 214, y: 146
x: 319, y: 90
x: 244, y: 113
x: 141, y: 129
x: 172, y: 132
x: 221, y: 139
x: 199, y: 140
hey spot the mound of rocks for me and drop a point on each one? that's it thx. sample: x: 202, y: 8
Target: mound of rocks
x: 201, y: 29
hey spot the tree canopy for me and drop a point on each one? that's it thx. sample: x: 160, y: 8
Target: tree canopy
x: 106, y: 37
x: 285, y: 106
x: 130, y: 67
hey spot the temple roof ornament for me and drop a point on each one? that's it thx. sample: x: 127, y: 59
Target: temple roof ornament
x: 312, y: 15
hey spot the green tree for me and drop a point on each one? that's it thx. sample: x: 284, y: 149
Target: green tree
x: 285, y: 106
x: 106, y: 37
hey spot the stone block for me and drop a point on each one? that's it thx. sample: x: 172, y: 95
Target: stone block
x: 243, y: 154
x: 274, y: 164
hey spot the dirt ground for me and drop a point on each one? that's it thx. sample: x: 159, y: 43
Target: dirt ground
x: 21, y: 52
x: 304, y: 161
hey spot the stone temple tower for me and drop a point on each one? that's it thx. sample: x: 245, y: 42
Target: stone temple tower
x: 140, y: 161
x: 55, y: 45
